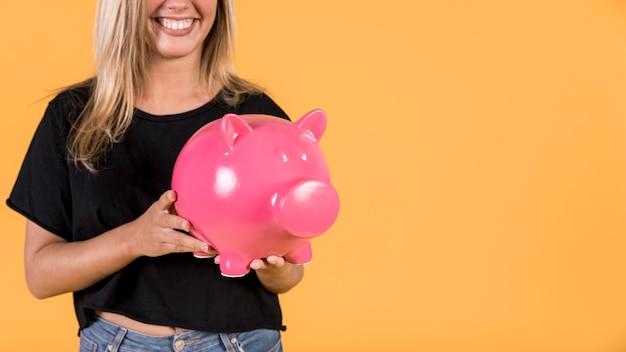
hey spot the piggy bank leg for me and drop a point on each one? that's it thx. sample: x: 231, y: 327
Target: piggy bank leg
x: 233, y: 265
x: 302, y: 255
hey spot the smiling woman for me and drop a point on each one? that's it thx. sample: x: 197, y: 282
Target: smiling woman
x: 478, y: 147
x: 95, y: 192
x: 178, y: 28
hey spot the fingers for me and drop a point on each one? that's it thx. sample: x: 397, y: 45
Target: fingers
x: 272, y: 262
x: 275, y: 260
x: 267, y: 263
x: 177, y: 242
x: 166, y: 227
x: 257, y: 264
x: 190, y: 244
x: 177, y: 223
x: 194, y: 241
x: 166, y: 201
x: 165, y: 204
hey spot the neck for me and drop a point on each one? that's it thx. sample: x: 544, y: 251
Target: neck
x: 173, y: 86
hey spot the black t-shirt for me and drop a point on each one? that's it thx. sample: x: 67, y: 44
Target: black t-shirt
x: 173, y: 290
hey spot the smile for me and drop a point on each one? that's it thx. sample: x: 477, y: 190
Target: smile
x: 176, y: 25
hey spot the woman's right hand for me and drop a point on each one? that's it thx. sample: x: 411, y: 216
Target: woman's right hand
x: 54, y: 266
x: 158, y: 231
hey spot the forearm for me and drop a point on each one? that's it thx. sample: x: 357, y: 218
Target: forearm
x: 61, y: 267
x: 283, y: 279
x: 55, y: 266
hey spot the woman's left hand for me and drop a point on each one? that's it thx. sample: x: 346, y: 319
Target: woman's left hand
x: 271, y: 263
x: 275, y: 273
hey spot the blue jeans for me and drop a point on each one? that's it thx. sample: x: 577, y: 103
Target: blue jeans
x: 103, y: 336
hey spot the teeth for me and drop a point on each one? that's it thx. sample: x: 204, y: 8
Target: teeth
x: 176, y: 24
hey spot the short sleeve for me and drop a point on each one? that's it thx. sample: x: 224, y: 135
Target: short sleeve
x: 41, y: 192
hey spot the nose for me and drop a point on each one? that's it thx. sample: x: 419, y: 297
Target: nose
x: 176, y: 5
x: 308, y: 208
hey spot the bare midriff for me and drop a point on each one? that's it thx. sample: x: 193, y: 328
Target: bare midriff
x: 148, y: 329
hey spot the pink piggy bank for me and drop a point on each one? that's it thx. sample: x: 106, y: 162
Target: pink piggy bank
x: 254, y: 186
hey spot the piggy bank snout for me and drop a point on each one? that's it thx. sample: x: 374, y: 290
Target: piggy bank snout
x: 307, y: 208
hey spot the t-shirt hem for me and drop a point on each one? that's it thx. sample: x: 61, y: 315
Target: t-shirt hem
x: 210, y: 329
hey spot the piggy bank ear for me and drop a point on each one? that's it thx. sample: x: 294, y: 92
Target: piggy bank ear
x: 233, y: 127
x: 314, y: 122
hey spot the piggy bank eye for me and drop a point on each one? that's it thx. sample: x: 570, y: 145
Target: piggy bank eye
x: 282, y: 154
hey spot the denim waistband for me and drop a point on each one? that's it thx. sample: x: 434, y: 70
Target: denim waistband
x: 102, y: 335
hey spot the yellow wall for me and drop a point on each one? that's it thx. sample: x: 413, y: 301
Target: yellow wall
x: 479, y: 148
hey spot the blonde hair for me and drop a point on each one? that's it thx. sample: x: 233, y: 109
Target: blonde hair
x: 122, y: 54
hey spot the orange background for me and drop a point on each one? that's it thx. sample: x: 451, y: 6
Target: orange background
x: 479, y: 149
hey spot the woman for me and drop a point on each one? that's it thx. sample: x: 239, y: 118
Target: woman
x: 94, y: 187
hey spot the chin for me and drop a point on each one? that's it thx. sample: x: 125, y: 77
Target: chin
x: 177, y: 53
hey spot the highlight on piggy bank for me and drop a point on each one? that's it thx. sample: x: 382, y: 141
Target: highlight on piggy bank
x: 256, y: 185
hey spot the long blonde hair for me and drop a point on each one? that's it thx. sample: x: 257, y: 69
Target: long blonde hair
x: 121, y: 56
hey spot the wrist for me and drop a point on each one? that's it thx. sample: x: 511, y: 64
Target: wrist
x: 122, y: 236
